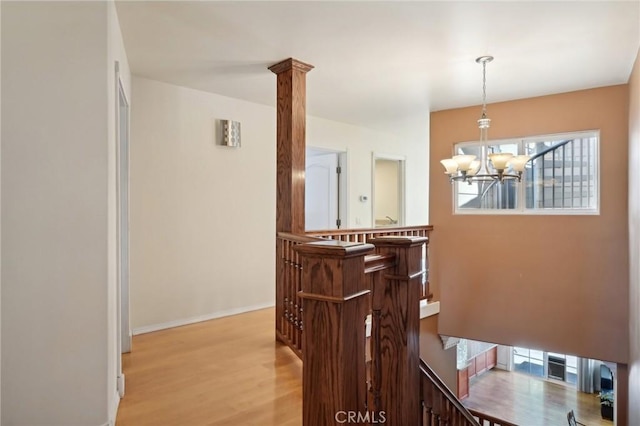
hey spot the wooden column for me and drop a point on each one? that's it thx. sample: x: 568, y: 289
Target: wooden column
x: 334, y: 293
x: 291, y: 115
x: 395, y: 332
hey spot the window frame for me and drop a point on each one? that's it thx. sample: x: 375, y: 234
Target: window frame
x: 521, y: 208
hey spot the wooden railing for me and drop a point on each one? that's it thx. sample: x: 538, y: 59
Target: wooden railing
x: 336, y: 294
x: 288, y: 272
x: 487, y: 420
x: 288, y: 285
x: 439, y: 404
x: 441, y: 407
x: 341, y: 282
x: 365, y: 234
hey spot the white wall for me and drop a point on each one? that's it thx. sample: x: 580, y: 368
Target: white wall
x: 360, y: 143
x: 56, y: 146
x: 203, y: 216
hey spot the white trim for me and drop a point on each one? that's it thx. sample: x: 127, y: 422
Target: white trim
x: 429, y: 309
x: 530, y: 212
x: 200, y: 318
x: 113, y: 410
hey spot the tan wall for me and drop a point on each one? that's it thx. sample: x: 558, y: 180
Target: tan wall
x: 443, y: 362
x: 581, y: 260
x: 634, y: 242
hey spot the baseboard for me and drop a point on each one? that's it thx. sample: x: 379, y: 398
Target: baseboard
x: 113, y: 411
x: 193, y: 320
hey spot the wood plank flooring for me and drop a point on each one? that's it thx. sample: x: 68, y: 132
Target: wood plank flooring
x: 231, y: 372
x: 529, y: 401
x: 224, y: 372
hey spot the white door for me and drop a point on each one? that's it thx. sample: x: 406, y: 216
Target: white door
x: 321, y: 191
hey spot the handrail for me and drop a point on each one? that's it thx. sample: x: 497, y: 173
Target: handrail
x: 297, y: 238
x: 370, y: 230
x: 378, y: 262
x: 425, y: 370
x: 493, y: 421
x: 551, y: 148
x: 363, y: 235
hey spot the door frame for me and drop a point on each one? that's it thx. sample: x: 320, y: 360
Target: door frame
x: 122, y: 220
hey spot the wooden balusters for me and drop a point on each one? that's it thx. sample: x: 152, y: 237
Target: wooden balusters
x: 288, y: 285
x: 334, y: 294
x: 395, y: 331
x: 487, y: 420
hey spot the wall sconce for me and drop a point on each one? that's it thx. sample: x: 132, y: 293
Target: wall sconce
x: 230, y: 133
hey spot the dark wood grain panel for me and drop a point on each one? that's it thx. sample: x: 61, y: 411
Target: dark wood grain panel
x: 290, y: 154
x: 463, y: 383
x: 471, y: 368
x: 481, y: 363
x: 395, y: 304
x: 335, y: 302
x: 492, y: 357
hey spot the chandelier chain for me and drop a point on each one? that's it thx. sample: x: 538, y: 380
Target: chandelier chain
x: 484, y: 89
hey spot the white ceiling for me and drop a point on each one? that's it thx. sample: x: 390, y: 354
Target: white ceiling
x: 379, y: 62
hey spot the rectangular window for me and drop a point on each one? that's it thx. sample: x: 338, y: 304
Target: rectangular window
x: 561, y: 177
x: 549, y: 365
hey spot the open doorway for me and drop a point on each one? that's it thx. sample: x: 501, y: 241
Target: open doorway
x: 388, y: 190
x: 325, y: 189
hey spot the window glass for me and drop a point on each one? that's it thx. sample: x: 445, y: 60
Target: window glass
x: 561, y: 176
x: 487, y: 195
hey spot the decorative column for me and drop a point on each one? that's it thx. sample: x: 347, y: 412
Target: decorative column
x: 334, y: 294
x: 291, y: 117
x: 395, y: 302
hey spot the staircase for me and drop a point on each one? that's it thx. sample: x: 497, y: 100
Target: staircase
x: 441, y: 407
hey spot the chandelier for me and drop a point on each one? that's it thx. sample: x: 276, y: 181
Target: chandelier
x: 498, y: 166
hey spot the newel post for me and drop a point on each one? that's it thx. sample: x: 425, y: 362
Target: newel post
x: 290, y: 153
x: 334, y: 293
x: 395, y: 332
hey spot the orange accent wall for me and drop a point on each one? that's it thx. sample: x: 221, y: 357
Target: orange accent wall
x: 495, y: 275
x: 634, y: 242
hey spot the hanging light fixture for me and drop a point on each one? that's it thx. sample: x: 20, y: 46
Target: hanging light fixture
x: 498, y: 166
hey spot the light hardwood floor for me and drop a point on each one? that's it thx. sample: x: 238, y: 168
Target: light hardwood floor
x: 231, y: 372
x: 529, y: 401
x: 227, y: 371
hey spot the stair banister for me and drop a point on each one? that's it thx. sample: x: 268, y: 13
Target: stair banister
x: 335, y: 303
x: 395, y: 331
